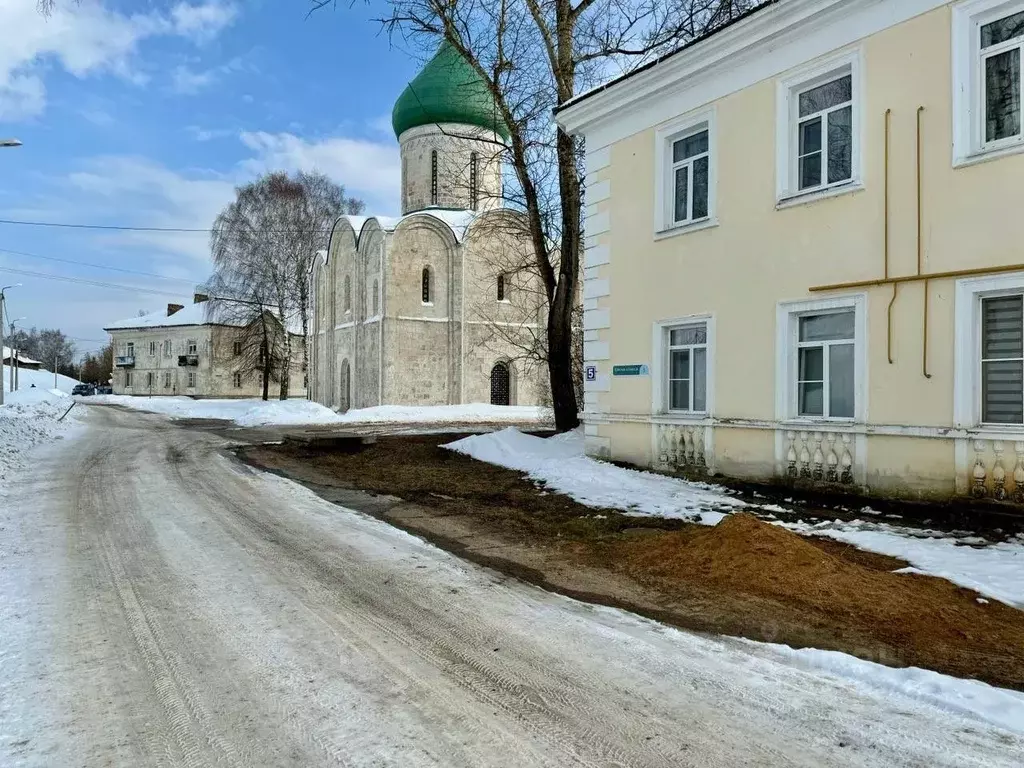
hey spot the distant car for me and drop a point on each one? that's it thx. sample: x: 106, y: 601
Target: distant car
x: 83, y: 389
x: 104, y: 390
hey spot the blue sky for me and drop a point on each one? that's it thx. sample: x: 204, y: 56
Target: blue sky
x: 149, y: 113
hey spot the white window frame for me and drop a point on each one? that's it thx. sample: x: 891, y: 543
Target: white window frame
x: 193, y: 380
x: 969, y: 145
x: 167, y: 379
x: 152, y: 349
x: 787, y: 141
x: 167, y: 347
x: 192, y: 347
x: 664, y: 190
x: 967, y: 347
x: 787, y: 358
x: 236, y: 379
x: 129, y: 349
x: 660, y: 366
x: 128, y: 379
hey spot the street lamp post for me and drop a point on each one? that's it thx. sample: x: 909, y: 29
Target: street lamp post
x: 3, y: 299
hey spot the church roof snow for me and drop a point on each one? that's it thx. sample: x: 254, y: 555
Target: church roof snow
x: 457, y: 220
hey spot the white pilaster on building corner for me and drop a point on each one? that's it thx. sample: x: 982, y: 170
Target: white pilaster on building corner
x: 596, y: 286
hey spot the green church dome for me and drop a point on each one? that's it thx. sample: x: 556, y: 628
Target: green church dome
x: 448, y: 90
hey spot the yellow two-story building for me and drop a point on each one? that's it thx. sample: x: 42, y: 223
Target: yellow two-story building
x: 805, y: 250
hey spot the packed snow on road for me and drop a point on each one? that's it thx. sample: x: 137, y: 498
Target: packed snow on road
x: 994, y: 570
x: 251, y: 412
x: 163, y: 604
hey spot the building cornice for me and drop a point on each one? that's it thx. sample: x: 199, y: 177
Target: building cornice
x: 760, y: 46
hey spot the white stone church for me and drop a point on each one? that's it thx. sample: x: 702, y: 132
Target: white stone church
x: 433, y: 307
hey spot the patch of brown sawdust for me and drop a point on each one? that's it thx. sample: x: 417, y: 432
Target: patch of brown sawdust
x: 928, y: 617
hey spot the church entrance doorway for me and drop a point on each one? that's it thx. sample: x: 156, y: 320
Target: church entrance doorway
x: 501, y: 384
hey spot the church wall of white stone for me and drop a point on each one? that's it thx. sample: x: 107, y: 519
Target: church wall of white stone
x: 454, y: 144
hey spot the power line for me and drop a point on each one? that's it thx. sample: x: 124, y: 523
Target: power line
x: 64, y: 225
x: 96, y: 266
x: 83, y: 281
x: 126, y: 228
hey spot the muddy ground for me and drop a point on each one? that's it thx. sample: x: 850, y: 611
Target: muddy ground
x: 743, y: 578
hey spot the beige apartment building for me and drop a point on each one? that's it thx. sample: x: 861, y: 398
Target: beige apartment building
x: 191, y: 351
x: 805, y: 250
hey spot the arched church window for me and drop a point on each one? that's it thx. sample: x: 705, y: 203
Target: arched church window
x: 433, y: 177
x: 501, y: 287
x: 474, y: 193
x: 376, y: 297
x: 348, y: 294
x: 426, y: 285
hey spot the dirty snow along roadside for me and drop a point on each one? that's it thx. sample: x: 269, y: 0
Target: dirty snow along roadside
x: 29, y: 417
x: 996, y: 571
x: 252, y: 412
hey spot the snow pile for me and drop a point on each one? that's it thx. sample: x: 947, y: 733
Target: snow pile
x: 967, y: 698
x: 246, y: 411
x: 559, y: 463
x: 27, y: 418
x: 43, y: 379
x: 470, y: 413
x: 996, y: 570
x: 253, y: 412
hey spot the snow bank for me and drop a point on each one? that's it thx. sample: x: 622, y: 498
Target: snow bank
x: 470, y: 413
x: 995, y: 570
x: 559, y: 462
x: 967, y: 698
x: 253, y: 412
x: 42, y: 379
x: 27, y: 418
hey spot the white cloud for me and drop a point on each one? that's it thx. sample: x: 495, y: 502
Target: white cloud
x: 202, y: 22
x: 85, y: 39
x: 187, y: 81
x: 368, y: 169
x: 140, y: 192
x: 209, y: 134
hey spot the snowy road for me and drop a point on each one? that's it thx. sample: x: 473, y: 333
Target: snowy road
x: 163, y: 605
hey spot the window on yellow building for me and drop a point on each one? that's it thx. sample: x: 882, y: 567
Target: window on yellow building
x: 824, y: 129
x: 1002, y: 360
x: 690, y: 177
x: 1001, y: 45
x: 825, y: 367
x: 688, y: 368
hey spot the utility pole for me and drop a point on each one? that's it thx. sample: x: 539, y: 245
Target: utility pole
x: 3, y: 300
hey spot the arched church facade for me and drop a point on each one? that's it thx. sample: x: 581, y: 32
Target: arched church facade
x: 431, y: 307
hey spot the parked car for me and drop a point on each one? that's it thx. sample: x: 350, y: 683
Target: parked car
x: 104, y: 389
x: 83, y: 389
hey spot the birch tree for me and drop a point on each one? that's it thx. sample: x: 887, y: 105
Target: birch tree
x: 534, y: 55
x: 262, y: 246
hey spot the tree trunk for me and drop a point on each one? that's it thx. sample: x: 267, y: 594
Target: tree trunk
x: 265, y: 357
x: 286, y: 365
x: 560, y: 329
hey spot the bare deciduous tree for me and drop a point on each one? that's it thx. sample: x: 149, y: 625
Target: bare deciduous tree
x: 534, y: 55
x: 263, y: 245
